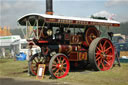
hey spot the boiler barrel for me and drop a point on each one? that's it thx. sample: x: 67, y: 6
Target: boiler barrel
x: 63, y: 48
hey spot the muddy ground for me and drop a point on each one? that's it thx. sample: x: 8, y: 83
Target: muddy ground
x: 20, y: 81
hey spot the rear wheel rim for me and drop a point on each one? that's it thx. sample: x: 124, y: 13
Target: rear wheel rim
x: 60, y: 66
x: 104, y: 55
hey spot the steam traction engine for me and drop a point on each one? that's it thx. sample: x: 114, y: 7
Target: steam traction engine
x: 68, y: 40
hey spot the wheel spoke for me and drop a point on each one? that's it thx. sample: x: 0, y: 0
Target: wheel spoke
x: 41, y: 59
x: 53, y: 69
x: 99, y: 49
x: 104, y: 45
x: 107, y: 52
x: 98, y: 58
x: 99, y: 62
x: 35, y: 60
x: 64, y: 67
x: 109, y: 58
x: 98, y: 53
x: 102, y: 65
x: 33, y: 64
x: 58, y: 74
x: 54, y: 62
x: 64, y: 63
x: 107, y: 62
x: 101, y: 46
x: 62, y: 71
x: 56, y: 71
x: 107, y: 49
x: 38, y: 58
x: 54, y: 65
x: 109, y: 55
x: 58, y: 60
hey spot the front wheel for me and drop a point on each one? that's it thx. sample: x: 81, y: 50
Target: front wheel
x: 101, y: 54
x: 59, y: 66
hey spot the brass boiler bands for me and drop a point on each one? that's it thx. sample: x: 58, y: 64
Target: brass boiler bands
x: 67, y: 48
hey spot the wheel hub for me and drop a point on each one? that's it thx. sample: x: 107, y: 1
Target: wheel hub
x: 103, y: 55
x: 59, y: 66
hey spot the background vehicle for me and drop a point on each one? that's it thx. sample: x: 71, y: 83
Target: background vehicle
x: 121, y: 47
x: 21, y: 46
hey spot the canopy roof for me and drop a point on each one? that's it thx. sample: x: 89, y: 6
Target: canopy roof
x: 64, y: 20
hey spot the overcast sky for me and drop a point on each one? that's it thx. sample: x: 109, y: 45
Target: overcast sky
x: 11, y: 10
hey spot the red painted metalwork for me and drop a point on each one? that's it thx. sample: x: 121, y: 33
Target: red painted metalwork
x: 105, y: 55
x: 68, y: 48
x: 77, y: 56
x: 91, y: 33
x: 60, y: 66
x: 45, y: 51
x: 42, y: 41
x: 73, y: 56
x: 82, y: 56
x: 85, y: 44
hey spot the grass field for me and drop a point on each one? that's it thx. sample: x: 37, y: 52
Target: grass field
x: 114, y: 76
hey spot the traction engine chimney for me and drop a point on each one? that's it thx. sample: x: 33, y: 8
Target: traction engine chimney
x: 49, y: 7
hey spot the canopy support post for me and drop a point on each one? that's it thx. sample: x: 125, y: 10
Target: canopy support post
x: 41, y: 29
x: 21, y: 29
x: 26, y: 29
x: 37, y: 24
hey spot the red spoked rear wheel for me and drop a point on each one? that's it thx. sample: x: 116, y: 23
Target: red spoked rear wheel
x: 59, y: 66
x: 101, y: 54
